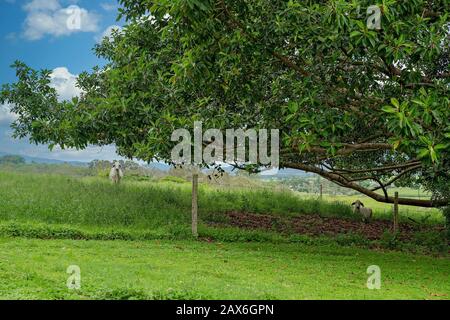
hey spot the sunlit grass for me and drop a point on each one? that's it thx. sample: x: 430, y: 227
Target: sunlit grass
x: 141, y: 204
x: 95, y: 201
x: 160, y: 260
x: 36, y: 269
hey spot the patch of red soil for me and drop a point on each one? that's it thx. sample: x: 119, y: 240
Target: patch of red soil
x: 315, y: 225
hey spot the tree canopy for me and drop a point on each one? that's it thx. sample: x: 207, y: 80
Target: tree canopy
x: 352, y: 103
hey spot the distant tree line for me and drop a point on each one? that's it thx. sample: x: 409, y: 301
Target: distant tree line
x: 312, y: 185
x: 12, y: 159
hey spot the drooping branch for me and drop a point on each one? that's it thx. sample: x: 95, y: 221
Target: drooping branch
x: 413, y: 163
x: 401, y: 174
x: 382, y: 186
x: 333, y: 177
x: 350, y: 148
x: 345, y: 150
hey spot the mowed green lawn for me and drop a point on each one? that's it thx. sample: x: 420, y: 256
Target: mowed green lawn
x: 36, y: 269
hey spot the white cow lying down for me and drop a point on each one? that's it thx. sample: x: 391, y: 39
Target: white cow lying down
x: 366, y: 213
x: 116, y: 173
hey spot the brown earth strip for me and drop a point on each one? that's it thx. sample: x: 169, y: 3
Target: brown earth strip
x: 315, y: 225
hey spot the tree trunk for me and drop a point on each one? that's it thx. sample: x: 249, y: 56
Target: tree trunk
x: 195, y: 205
x: 396, y: 212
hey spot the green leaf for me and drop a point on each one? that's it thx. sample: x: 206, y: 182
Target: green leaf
x: 293, y: 107
x: 433, y: 154
x: 389, y: 109
x: 397, y: 144
x: 441, y: 146
x: 423, y: 153
x: 395, y: 102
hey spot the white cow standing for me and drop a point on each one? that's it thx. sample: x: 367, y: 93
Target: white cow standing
x: 116, y: 173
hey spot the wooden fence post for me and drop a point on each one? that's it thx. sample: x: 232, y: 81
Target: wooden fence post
x: 321, y: 191
x: 396, y: 213
x: 195, y: 204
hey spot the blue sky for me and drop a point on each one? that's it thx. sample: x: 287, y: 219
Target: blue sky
x: 58, y: 35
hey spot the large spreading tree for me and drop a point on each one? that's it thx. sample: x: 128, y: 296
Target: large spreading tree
x: 352, y: 103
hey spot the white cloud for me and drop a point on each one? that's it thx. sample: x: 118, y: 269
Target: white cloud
x: 36, y: 5
x: 108, y: 32
x: 61, y: 79
x: 6, y: 116
x: 47, y: 17
x: 88, y: 154
x: 23, y: 147
x: 65, y: 83
x: 109, y: 6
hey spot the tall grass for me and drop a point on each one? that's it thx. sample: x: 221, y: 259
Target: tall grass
x: 92, y: 201
x: 385, y: 210
x: 144, y: 204
x: 52, y: 206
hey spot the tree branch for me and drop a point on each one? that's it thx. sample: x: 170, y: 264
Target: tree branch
x: 382, y: 186
x: 398, y: 176
x: 385, y: 168
x: 333, y: 177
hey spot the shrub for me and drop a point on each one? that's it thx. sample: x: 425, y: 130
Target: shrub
x: 432, y: 240
x: 389, y: 240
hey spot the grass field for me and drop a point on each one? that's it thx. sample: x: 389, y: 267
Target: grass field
x: 45, y: 221
x: 94, y: 201
x: 36, y: 269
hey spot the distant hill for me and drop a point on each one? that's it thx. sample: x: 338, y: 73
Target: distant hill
x: 282, y: 174
x: 158, y: 166
x: 285, y: 173
x: 29, y: 159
